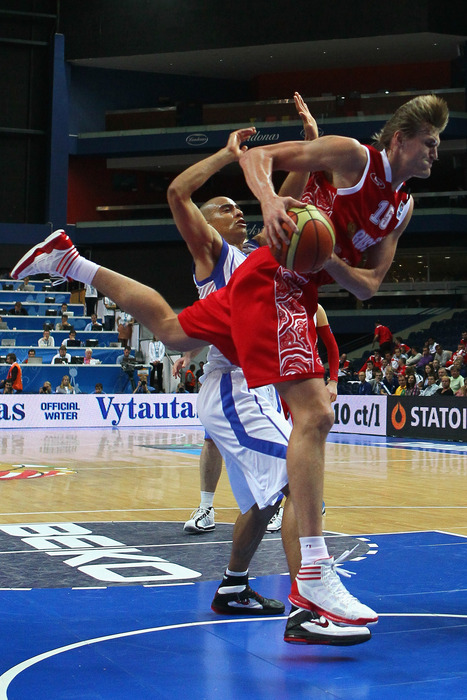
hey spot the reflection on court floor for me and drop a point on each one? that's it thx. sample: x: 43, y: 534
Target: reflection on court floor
x: 102, y: 595
x: 149, y: 642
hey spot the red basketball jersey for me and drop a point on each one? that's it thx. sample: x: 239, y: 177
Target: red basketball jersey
x: 363, y: 214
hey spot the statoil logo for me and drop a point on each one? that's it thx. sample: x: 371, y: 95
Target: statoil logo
x: 196, y: 139
x: 398, y: 416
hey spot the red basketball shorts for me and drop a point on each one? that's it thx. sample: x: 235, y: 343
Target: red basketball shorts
x: 261, y: 321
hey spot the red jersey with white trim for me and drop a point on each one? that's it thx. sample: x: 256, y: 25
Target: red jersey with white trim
x: 363, y: 214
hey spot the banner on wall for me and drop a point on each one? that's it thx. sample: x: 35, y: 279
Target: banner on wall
x: 360, y: 415
x: 434, y: 417
x: 98, y: 410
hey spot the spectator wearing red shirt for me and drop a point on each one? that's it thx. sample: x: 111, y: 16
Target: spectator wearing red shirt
x: 383, y: 336
x: 405, y: 349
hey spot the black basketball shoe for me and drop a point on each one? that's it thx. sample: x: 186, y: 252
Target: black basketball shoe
x: 307, y: 627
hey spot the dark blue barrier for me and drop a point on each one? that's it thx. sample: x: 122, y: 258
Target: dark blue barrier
x: 29, y: 323
x: 30, y: 338
x: 8, y: 298
x: 107, y: 356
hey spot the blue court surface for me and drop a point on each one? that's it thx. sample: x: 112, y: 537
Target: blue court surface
x: 163, y: 641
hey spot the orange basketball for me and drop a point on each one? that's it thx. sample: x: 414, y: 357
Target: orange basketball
x: 312, y: 245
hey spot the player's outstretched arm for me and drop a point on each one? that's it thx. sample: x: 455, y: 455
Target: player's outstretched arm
x: 199, y: 236
x: 295, y: 182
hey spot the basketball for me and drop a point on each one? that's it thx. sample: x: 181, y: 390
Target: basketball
x: 312, y: 245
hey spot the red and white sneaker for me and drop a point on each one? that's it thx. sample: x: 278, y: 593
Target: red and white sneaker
x: 319, y: 588
x: 53, y: 257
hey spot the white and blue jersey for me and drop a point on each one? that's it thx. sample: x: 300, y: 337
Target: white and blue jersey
x: 247, y: 425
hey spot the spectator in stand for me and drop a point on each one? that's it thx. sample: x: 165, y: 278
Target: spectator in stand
x: 435, y: 367
x: 46, y: 388
x: 93, y: 324
x: 14, y: 374
x: 432, y: 343
x: 428, y: 372
x: 65, y: 387
x: 31, y: 353
x: 425, y: 358
x: 402, y: 365
x: 72, y: 340
x: 62, y: 357
x: 18, y: 310
x: 390, y: 382
x: 109, y: 314
x: 459, y: 354
x: 125, y: 323
x: 89, y: 359
x: 463, y: 339
x: 462, y: 392
x: 369, y: 370
x: 344, y: 373
x: 462, y: 367
x: 385, y: 363
x: 418, y: 377
x: 90, y: 295
x: 8, y: 387
x: 398, y: 343
x: 98, y: 389
x: 445, y: 389
x: 25, y: 286
x: 64, y: 310
x: 442, y: 355
x: 395, y: 364
x: 142, y: 386
x: 412, y: 388
x: 364, y: 387
x: 442, y: 372
x: 128, y: 364
x: 414, y: 356
x: 377, y: 383
x: 156, y: 354
x: 431, y: 387
x: 456, y: 380
x: 383, y: 336
x: 376, y: 359
x: 47, y: 341
x: 63, y: 325
x: 190, y: 379
x: 402, y: 388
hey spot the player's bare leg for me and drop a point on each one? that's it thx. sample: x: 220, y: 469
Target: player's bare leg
x: 210, y: 468
x: 317, y: 586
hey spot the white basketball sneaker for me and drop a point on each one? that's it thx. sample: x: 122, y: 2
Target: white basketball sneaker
x: 201, y: 520
x: 53, y: 257
x: 319, y: 588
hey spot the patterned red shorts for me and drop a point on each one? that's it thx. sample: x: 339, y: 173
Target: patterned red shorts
x: 262, y: 321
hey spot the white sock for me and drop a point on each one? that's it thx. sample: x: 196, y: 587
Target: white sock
x: 312, y: 548
x: 83, y: 270
x: 207, y: 499
x: 228, y: 572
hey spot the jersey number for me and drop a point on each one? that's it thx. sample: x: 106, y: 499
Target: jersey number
x: 382, y: 215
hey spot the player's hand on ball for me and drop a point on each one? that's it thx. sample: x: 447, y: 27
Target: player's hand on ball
x: 275, y: 217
